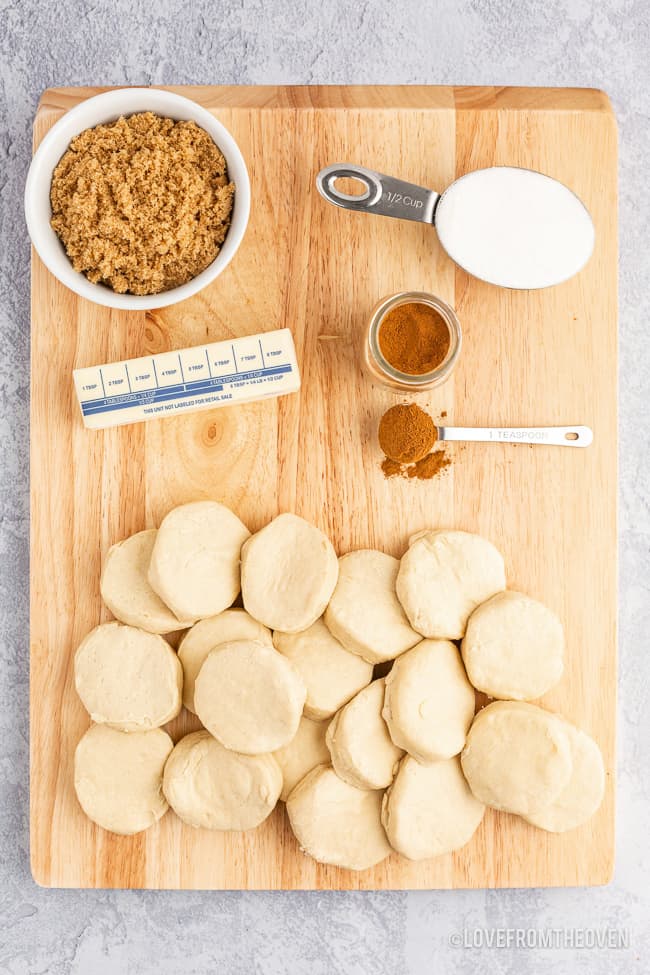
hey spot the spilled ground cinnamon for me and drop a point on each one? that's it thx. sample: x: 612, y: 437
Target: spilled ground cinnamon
x: 429, y: 466
x: 414, y: 338
x: 424, y: 470
x: 392, y: 467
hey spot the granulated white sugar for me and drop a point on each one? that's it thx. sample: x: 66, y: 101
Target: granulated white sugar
x: 514, y: 227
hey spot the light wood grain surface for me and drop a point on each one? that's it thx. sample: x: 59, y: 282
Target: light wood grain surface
x: 528, y: 359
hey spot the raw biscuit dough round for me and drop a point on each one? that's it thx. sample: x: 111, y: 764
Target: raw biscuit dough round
x: 513, y: 648
x: 195, y: 560
x: 331, y: 675
x: 204, y: 636
x: 128, y: 678
x: 430, y: 810
x: 288, y: 573
x: 517, y: 757
x: 443, y: 577
x: 126, y: 590
x: 361, y: 749
x: 583, y: 793
x: 249, y: 697
x: 212, y: 787
x: 303, y: 753
x: 429, y: 703
x: 364, y: 613
x: 336, y: 823
x: 118, y: 777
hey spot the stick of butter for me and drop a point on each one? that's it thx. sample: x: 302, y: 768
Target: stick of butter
x: 219, y: 374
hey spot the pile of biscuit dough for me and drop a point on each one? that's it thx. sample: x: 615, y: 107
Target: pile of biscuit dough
x: 343, y: 686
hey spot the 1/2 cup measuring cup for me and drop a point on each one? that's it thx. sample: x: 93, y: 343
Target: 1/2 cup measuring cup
x: 511, y: 227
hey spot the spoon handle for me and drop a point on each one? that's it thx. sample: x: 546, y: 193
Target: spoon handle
x: 576, y: 436
x: 381, y: 194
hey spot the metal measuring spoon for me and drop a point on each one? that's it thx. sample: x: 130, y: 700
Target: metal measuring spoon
x: 552, y: 436
x: 512, y: 227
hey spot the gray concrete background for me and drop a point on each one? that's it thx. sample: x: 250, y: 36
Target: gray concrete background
x: 582, y: 42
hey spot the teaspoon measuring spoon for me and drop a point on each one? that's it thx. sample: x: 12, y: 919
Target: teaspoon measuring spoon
x: 577, y: 436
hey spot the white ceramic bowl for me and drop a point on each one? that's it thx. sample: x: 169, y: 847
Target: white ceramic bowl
x: 107, y: 108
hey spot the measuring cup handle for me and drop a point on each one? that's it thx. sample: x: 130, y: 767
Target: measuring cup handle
x: 385, y: 195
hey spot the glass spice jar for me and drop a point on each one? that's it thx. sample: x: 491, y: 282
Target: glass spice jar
x: 381, y: 371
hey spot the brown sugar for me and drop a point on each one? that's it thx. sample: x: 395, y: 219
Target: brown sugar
x: 143, y: 204
x: 414, y: 338
x: 406, y: 433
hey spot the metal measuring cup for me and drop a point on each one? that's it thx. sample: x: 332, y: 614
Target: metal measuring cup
x: 508, y: 226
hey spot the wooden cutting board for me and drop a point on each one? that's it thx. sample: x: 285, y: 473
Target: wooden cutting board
x: 528, y: 358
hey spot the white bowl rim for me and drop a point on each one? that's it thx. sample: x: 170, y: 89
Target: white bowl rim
x: 107, y: 106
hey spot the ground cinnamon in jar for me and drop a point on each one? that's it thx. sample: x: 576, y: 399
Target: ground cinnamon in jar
x: 414, y: 338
